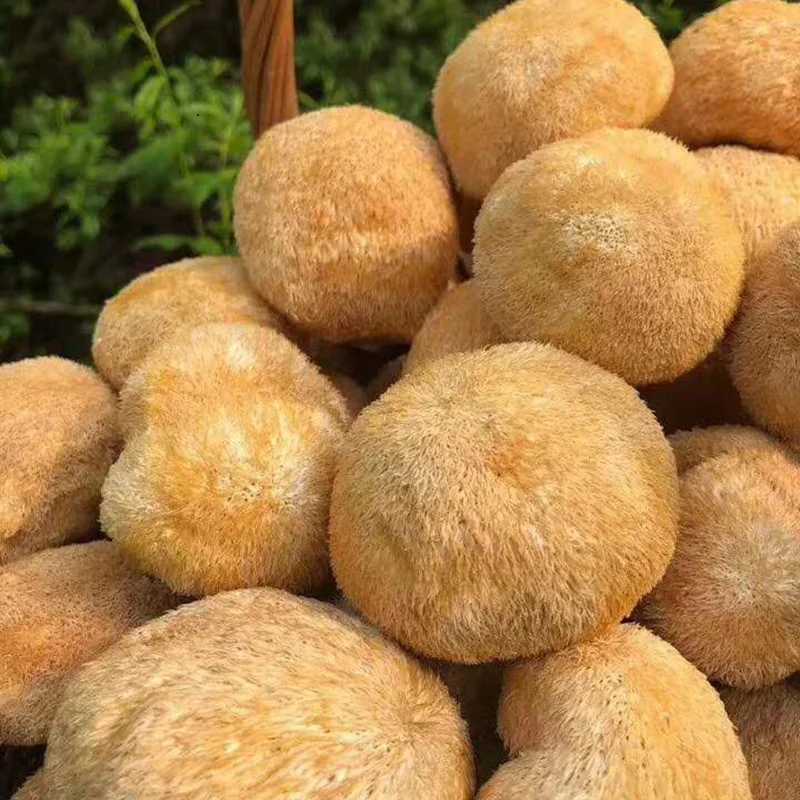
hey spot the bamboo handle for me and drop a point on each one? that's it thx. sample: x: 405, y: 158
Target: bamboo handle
x: 268, y: 71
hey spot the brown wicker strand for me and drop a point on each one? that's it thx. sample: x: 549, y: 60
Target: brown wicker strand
x: 268, y: 71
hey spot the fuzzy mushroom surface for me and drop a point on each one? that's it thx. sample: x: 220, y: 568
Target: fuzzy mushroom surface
x: 698, y: 445
x: 58, y: 437
x: 765, y: 341
x: 232, y: 437
x: 58, y: 609
x: 284, y: 696
x: 768, y: 724
x: 622, y: 716
x: 736, y: 78
x: 501, y: 503
x: 347, y: 225
x: 730, y: 598
x: 536, y: 72
x: 457, y: 324
x: 146, y: 312
x: 762, y: 189
x: 617, y: 247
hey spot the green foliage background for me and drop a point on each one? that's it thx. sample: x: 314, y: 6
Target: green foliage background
x: 119, y: 148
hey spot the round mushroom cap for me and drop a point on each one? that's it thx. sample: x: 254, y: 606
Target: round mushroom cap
x: 736, y: 78
x: 225, y: 479
x: 730, y: 598
x: 762, y: 189
x: 629, y: 717
x: 58, y: 437
x: 155, y: 305
x: 533, y: 492
x: 457, y: 324
x: 346, y: 223
x: 536, y: 72
x: 765, y: 342
x: 58, y: 609
x: 698, y: 445
x: 768, y: 724
x: 616, y: 247
x: 284, y: 696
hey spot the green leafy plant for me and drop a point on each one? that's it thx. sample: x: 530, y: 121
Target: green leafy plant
x: 149, y: 136
x: 388, y: 54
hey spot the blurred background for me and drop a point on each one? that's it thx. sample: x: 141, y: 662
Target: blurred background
x: 122, y: 129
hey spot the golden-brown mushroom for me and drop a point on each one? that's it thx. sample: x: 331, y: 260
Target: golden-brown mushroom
x: 765, y: 341
x: 58, y: 609
x: 225, y: 479
x: 257, y: 694
x: 501, y: 503
x: 536, y: 72
x: 457, y: 324
x: 616, y: 247
x: 345, y: 220
x: 736, y: 78
x: 624, y: 716
x: 730, y: 598
x: 762, y: 189
x: 58, y: 437
x: 768, y: 724
x: 195, y: 291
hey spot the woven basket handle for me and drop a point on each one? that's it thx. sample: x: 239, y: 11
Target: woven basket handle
x: 268, y: 73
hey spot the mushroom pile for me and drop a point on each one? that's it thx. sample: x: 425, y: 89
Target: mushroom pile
x: 379, y: 510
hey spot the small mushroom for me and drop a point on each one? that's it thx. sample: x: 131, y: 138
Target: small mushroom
x: 765, y: 342
x: 698, y: 445
x: 457, y: 324
x: 346, y: 223
x: 192, y: 292
x: 536, y: 72
x: 225, y: 479
x: 58, y: 437
x: 768, y: 724
x: 730, y: 598
x: 623, y: 716
x: 736, y: 78
x: 58, y: 609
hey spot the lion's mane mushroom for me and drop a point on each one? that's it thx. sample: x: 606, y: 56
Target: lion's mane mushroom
x: 624, y: 716
x: 283, y: 696
x: 617, y: 247
x: 147, y: 311
x: 58, y: 437
x: 225, y: 479
x: 730, y: 598
x: 534, y: 492
x: 536, y: 72
x: 699, y: 445
x: 762, y: 189
x: 345, y: 220
x: 457, y: 324
x: 768, y: 724
x: 58, y: 609
x: 765, y: 342
x: 736, y: 78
